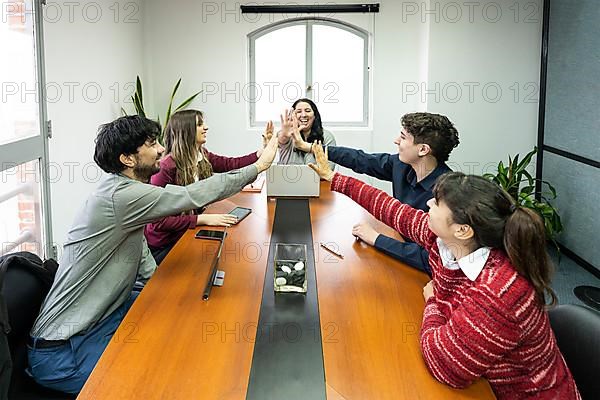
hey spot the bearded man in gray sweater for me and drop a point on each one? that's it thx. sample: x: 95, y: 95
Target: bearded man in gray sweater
x: 106, y: 252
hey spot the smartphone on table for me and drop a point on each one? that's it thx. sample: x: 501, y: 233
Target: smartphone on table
x: 210, y: 234
x: 240, y: 212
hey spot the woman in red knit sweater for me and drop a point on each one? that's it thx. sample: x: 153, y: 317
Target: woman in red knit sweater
x: 186, y: 161
x: 485, y: 313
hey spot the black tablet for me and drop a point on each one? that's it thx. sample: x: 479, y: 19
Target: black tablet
x: 240, y: 212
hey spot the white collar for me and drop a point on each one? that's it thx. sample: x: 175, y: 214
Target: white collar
x: 471, y: 264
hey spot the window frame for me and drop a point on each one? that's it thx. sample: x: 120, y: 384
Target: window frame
x: 22, y: 150
x: 309, y: 23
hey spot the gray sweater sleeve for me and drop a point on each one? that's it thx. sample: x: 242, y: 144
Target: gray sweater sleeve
x: 144, y: 203
x: 147, y: 263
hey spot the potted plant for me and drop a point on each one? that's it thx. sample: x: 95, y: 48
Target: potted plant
x: 138, y: 102
x: 518, y: 182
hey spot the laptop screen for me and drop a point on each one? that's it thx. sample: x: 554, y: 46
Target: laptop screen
x: 292, y: 181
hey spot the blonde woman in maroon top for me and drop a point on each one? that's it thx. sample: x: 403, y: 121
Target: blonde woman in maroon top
x: 187, y: 160
x: 485, y: 309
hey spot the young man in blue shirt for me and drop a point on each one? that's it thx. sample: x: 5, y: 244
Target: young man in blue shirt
x: 424, y: 145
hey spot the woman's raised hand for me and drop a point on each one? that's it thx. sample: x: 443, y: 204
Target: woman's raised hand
x: 299, y: 142
x: 268, y: 155
x: 288, y: 124
x: 290, y: 129
x: 322, y: 167
x: 268, y: 134
x: 266, y: 137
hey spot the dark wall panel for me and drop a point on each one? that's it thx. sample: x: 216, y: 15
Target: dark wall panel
x: 578, y: 188
x: 572, y: 119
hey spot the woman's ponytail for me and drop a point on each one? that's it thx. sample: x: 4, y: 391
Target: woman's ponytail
x: 525, y: 244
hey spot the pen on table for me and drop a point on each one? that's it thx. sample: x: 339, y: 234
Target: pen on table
x: 328, y: 248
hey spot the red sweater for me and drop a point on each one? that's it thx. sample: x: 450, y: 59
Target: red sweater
x: 492, y: 327
x: 168, y: 230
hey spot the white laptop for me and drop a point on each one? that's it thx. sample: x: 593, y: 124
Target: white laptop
x: 292, y: 181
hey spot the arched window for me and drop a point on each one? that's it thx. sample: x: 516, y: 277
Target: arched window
x: 322, y: 59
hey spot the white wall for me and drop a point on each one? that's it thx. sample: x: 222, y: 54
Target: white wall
x: 422, y: 52
x: 496, y: 52
x: 210, y: 40
x: 420, y: 44
x: 85, y: 55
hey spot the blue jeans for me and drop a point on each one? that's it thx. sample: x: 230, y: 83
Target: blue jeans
x: 66, y: 367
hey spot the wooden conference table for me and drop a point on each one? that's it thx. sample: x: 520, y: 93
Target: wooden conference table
x: 174, y: 345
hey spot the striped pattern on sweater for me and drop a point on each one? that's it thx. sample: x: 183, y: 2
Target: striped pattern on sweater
x: 492, y: 327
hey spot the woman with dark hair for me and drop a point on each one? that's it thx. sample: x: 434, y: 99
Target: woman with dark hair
x: 295, y: 148
x: 485, y: 309
x: 188, y: 161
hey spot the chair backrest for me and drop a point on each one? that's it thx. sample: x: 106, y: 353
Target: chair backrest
x: 24, y: 284
x: 5, y: 357
x: 577, y: 331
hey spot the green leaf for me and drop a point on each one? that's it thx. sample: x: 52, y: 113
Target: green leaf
x: 526, y: 196
x: 502, y: 181
x: 530, y: 179
x: 557, y: 222
x: 546, y: 211
x: 138, y: 90
x: 527, y: 160
x: 501, y: 168
x: 187, y: 102
x: 138, y: 105
x: 511, y: 172
x: 528, y: 189
x: 527, y: 202
x: 171, y: 101
x: 123, y: 112
x: 515, y: 163
x: 551, y: 188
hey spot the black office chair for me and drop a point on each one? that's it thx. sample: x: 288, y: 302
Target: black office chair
x: 577, y: 331
x: 26, y: 282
